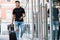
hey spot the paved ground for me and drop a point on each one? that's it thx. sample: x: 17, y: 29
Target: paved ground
x: 25, y: 37
x: 4, y: 37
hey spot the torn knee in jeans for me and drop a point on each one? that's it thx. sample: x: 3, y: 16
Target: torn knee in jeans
x: 17, y: 30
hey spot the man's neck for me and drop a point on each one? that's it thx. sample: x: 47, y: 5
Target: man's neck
x: 18, y: 7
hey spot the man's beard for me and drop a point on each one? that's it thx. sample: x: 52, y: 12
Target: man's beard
x: 18, y: 5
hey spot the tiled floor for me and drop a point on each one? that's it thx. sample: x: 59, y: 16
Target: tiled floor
x: 6, y: 37
x: 25, y: 37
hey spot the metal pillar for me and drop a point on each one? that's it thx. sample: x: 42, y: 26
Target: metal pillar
x: 35, y: 13
x: 45, y: 23
x: 40, y: 32
x: 51, y: 27
x: 44, y: 20
x: 32, y: 21
x: 40, y: 27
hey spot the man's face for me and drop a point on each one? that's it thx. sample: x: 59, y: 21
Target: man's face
x: 17, y: 4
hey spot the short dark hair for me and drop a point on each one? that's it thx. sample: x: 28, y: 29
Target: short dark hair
x: 17, y: 1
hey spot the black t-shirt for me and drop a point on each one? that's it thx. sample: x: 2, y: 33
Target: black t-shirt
x: 55, y: 14
x: 18, y: 13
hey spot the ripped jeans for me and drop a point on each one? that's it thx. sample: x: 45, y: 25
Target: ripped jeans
x: 19, y: 29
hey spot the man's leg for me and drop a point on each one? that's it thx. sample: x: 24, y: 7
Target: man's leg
x: 53, y: 34
x: 53, y: 30
x: 56, y: 30
x: 21, y: 29
x: 57, y: 25
x: 58, y: 35
x: 16, y: 29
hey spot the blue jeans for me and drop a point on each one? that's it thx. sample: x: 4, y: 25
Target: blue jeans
x: 55, y: 31
x: 19, y: 28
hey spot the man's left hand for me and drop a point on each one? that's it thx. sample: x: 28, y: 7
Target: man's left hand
x: 21, y: 18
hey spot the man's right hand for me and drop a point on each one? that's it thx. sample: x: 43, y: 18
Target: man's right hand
x: 13, y: 17
x: 12, y: 23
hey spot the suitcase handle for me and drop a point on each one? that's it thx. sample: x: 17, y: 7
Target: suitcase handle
x: 11, y: 27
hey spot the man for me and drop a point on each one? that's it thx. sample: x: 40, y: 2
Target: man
x: 18, y: 15
x: 55, y: 22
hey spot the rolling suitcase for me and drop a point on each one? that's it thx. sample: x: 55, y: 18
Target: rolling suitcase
x: 12, y: 34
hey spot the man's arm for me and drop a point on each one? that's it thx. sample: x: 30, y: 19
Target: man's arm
x: 23, y: 16
x: 23, y: 13
x: 13, y: 15
x: 13, y: 18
